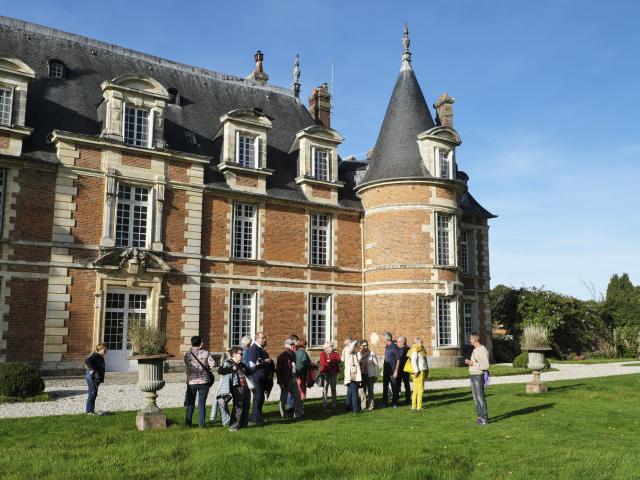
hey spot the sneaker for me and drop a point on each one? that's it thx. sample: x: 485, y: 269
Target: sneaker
x: 91, y: 413
x: 234, y: 429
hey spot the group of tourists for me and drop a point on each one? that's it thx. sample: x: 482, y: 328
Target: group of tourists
x: 248, y: 375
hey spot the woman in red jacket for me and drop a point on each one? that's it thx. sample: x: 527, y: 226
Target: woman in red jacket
x: 329, y: 367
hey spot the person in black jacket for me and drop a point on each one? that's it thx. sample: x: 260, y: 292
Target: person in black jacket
x: 258, y: 359
x: 95, y: 376
x: 239, y: 388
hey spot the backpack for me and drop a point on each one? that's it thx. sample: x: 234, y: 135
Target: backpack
x: 422, y: 362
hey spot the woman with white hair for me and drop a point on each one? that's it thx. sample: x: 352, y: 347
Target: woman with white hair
x: 329, y: 367
x: 245, y: 343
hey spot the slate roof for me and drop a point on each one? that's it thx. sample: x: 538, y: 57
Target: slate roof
x: 396, y: 154
x: 71, y: 104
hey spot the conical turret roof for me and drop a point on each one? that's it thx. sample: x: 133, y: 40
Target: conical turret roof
x: 396, y: 154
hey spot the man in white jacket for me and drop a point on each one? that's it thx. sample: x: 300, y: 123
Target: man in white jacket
x: 478, y: 364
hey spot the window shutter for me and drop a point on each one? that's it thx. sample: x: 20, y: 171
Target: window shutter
x: 152, y: 117
x: 329, y: 165
x: 450, y: 159
x: 237, y: 147
x: 257, y: 152
x: 436, y: 163
x: 313, y: 161
x: 151, y: 216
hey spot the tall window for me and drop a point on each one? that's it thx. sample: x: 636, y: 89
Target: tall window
x: 464, y: 251
x: 468, y: 321
x: 320, y: 237
x: 444, y: 234
x: 319, y: 320
x: 444, y: 164
x: 3, y: 187
x: 246, y: 150
x: 321, y: 163
x: 122, y: 308
x: 242, y: 315
x: 132, y: 219
x: 244, y: 230
x: 6, y: 102
x: 56, y: 69
x: 446, y: 322
x: 136, y: 126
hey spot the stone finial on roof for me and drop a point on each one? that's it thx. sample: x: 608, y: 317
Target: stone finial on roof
x: 259, y: 74
x: 296, y: 76
x: 406, y: 55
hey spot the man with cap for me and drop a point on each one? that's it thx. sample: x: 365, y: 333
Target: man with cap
x: 286, y: 373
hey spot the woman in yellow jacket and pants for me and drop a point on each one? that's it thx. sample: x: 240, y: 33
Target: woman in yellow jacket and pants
x: 415, y: 366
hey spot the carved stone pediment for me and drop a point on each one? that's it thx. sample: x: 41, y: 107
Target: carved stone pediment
x: 133, y: 261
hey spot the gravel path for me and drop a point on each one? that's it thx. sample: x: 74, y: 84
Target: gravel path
x: 121, y: 393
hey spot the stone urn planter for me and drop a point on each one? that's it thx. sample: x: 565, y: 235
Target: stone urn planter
x: 537, y: 364
x: 150, y: 380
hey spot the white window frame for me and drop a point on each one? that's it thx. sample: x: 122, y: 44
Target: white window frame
x: 238, y: 309
x: 126, y: 313
x: 315, y: 234
x: 147, y: 129
x: 443, y: 158
x: 440, y: 240
x: 465, y: 252
x: 252, y: 141
x: 132, y: 203
x: 320, y: 173
x: 315, y: 314
x: 57, y: 72
x: 6, y: 116
x: 244, y: 226
x: 3, y: 190
x: 447, y: 337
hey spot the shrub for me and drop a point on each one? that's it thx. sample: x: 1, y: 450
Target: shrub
x: 504, y: 349
x: 20, y: 380
x: 628, y: 340
x: 522, y: 361
x: 146, y: 339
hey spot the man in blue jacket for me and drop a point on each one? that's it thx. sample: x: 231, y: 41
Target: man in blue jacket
x: 258, y: 359
x: 390, y: 371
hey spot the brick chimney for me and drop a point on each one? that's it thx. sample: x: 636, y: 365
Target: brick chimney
x: 444, y: 110
x: 258, y: 74
x: 320, y: 105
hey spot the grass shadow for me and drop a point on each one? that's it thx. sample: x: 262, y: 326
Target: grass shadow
x: 522, y: 411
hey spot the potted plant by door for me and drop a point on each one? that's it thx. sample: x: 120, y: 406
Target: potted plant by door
x: 535, y: 340
x: 148, y: 347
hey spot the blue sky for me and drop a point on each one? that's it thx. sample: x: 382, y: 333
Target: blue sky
x: 546, y: 101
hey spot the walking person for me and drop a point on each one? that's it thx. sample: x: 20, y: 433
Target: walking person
x: 286, y: 373
x: 95, y: 376
x: 238, y: 372
x: 258, y: 360
x: 418, y: 368
x: 390, y: 369
x: 329, y: 367
x: 245, y: 343
x: 478, y: 365
x: 352, y: 376
x: 369, y: 368
x: 403, y: 377
x: 199, y: 365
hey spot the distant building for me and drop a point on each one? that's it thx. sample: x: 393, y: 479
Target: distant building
x: 136, y: 188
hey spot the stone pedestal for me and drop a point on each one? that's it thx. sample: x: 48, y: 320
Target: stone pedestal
x: 536, y: 385
x: 150, y: 420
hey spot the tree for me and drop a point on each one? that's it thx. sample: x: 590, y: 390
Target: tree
x: 622, y: 301
x: 504, y: 307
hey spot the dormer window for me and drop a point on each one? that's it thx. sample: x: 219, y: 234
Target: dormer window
x: 174, y: 96
x: 444, y: 164
x: 190, y: 137
x: 56, y: 69
x: 320, y: 164
x: 136, y: 127
x: 246, y: 148
x: 6, y: 104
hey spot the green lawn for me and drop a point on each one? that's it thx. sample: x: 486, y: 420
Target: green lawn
x: 43, y: 397
x: 631, y: 365
x: 591, y: 361
x: 580, y: 429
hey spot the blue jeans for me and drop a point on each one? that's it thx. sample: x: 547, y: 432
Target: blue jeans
x: 202, y: 391
x: 92, y: 388
x: 352, y: 402
x: 258, y: 400
x: 477, y: 389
